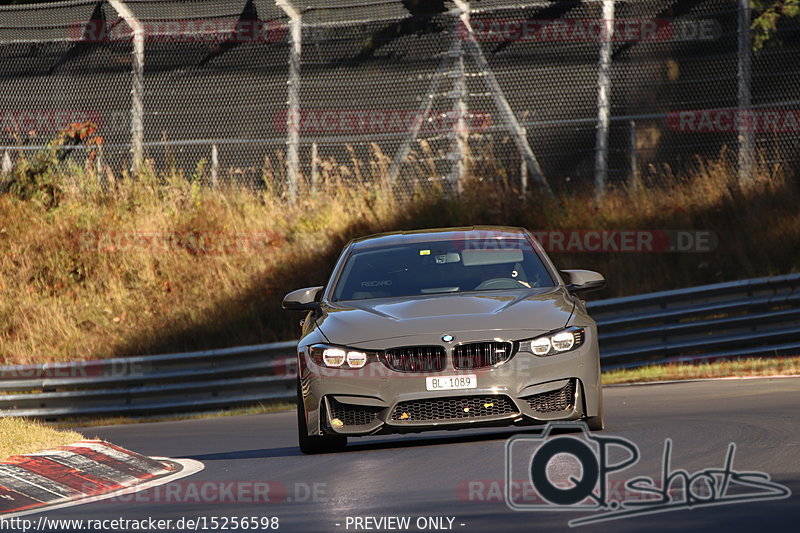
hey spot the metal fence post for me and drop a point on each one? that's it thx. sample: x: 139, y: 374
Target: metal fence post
x: 523, y: 170
x: 517, y: 131
x: 603, y: 102
x: 214, y: 166
x: 633, y: 179
x: 137, y: 89
x: 314, y: 168
x: 745, y: 129
x: 460, y: 105
x: 293, y: 116
x: 6, y: 166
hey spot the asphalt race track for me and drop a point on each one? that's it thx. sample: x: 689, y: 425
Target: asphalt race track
x: 456, y: 475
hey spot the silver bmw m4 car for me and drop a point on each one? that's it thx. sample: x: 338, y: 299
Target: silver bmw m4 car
x: 444, y: 329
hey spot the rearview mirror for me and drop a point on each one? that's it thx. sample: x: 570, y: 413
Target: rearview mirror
x: 491, y: 257
x: 302, y: 299
x: 584, y: 280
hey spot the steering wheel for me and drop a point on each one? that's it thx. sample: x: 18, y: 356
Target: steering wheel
x: 499, y: 283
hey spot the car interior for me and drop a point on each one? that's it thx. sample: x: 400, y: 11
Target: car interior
x: 434, y: 268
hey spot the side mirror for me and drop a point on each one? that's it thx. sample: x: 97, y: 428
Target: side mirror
x: 302, y: 299
x: 584, y: 280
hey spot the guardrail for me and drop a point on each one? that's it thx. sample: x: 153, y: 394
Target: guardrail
x: 725, y: 320
x: 742, y: 318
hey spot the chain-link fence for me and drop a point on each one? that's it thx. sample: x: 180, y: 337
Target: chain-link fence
x: 296, y: 94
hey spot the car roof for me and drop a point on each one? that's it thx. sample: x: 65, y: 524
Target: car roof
x: 397, y: 238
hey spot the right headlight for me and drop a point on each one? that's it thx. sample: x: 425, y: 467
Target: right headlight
x: 340, y: 356
x: 555, y: 342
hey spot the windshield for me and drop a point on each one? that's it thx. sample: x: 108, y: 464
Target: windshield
x: 445, y: 266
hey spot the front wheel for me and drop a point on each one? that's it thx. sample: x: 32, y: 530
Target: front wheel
x: 597, y: 423
x: 318, y: 443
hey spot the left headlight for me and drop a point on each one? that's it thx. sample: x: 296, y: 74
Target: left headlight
x: 339, y: 356
x: 554, y: 343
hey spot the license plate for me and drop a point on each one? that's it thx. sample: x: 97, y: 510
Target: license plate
x: 467, y: 381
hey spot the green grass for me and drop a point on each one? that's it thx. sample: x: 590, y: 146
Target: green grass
x: 773, y: 366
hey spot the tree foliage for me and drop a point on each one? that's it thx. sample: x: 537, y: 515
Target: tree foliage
x: 768, y: 14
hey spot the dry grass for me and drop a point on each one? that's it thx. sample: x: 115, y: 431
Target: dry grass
x: 69, y: 291
x: 19, y: 436
x: 773, y: 366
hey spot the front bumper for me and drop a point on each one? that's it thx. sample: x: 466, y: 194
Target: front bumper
x: 527, y: 389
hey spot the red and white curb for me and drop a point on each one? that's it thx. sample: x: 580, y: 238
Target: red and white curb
x: 83, y: 472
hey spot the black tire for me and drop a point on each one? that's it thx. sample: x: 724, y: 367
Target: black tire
x: 597, y: 423
x: 318, y: 443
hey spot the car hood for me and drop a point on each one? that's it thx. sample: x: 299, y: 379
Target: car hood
x: 366, y: 321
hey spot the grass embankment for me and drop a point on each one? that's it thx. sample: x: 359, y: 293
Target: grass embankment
x: 82, y: 277
x: 19, y: 436
x: 773, y: 366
